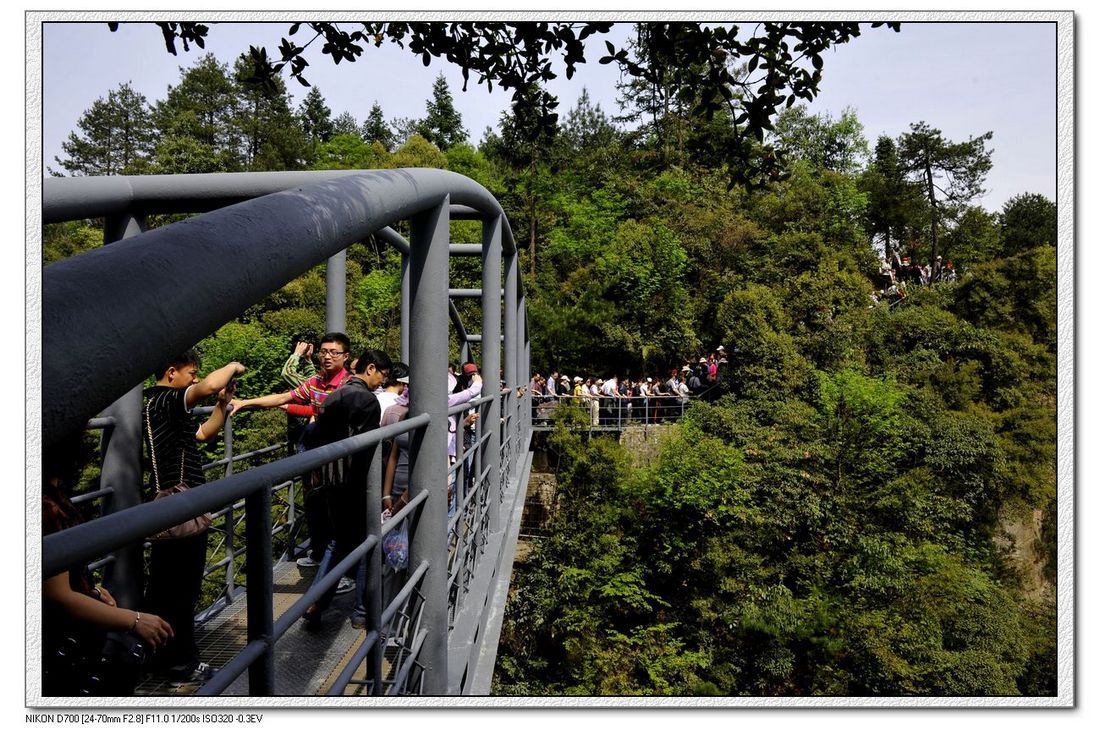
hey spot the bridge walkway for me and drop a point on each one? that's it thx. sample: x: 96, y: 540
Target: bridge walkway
x: 307, y: 662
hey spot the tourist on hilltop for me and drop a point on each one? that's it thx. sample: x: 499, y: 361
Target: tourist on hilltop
x: 694, y: 381
x: 76, y: 613
x: 552, y: 385
x: 350, y: 411
x: 176, y: 565
x: 334, y: 353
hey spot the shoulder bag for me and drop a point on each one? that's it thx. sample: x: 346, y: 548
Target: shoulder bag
x: 188, y: 528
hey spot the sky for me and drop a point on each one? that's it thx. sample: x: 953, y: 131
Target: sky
x: 962, y: 78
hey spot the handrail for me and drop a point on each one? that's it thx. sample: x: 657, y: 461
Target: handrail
x: 78, y: 545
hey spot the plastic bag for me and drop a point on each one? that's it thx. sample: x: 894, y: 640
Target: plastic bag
x: 395, y: 546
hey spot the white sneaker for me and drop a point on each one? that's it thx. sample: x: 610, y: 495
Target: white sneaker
x: 306, y: 562
x: 346, y: 585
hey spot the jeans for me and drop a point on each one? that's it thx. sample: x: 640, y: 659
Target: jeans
x: 347, y: 511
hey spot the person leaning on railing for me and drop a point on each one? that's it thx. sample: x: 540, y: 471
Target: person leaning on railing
x: 76, y: 613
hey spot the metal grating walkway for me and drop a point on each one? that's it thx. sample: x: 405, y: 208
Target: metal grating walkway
x: 306, y: 663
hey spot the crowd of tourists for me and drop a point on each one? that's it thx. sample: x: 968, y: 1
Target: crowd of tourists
x: 899, y: 274
x: 616, y: 400
x: 85, y: 629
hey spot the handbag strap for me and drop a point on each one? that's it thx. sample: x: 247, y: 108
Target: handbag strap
x: 152, y: 451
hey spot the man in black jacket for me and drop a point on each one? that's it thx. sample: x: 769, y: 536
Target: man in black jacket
x: 349, y: 411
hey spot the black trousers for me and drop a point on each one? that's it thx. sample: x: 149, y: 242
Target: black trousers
x: 175, y: 583
x: 348, y: 514
x: 318, y: 521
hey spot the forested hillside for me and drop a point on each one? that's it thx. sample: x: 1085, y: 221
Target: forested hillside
x: 835, y: 524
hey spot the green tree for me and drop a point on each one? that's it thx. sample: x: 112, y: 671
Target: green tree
x: 375, y: 129
x: 442, y: 125
x: 1028, y: 221
x: 198, y: 121
x: 586, y: 126
x: 418, y: 152
x: 315, y: 117
x: 826, y: 143
x: 954, y: 170
x: 272, y: 137
x: 115, y: 136
x: 349, y: 152
x: 975, y: 239
x: 345, y: 124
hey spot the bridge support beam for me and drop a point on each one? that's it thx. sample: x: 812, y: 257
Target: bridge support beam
x: 120, y: 447
x: 336, y: 294
x: 428, y: 279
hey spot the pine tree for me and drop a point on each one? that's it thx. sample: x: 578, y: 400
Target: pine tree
x: 345, y: 124
x: 315, y: 116
x: 198, y: 122
x: 955, y: 170
x: 115, y: 136
x: 272, y: 137
x: 586, y: 126
x: 893, y: 203
x: 375, y: 129
x: 443, y: 124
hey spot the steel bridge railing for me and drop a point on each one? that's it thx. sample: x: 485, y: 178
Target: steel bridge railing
x: 617, y: 412
x: 144, y: 288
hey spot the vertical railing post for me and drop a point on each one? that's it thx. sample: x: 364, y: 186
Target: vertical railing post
x: 428, y: 320
x: 490, y: 359
x: 336, y: 292
x: 121, y: 452
x: 525, y: 372
x: 261, y: 622
x: 371, y: 592
x: 405, y: 310
x: 230, y: 518
x: 512, y: 349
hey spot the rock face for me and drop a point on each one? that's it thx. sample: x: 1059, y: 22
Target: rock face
x: 1020, y: 540
x: 643, y: 443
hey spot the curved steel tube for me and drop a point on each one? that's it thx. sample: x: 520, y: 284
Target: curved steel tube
x: 168, y: 288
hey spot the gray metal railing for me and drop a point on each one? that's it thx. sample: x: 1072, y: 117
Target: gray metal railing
x: 143, y: 288
x: 615, y: 413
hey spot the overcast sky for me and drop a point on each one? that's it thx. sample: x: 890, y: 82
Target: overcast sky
x: 963, y: 78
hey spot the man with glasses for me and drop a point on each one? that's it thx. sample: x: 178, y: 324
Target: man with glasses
x: 307, y: 399
x: 351, y: 411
